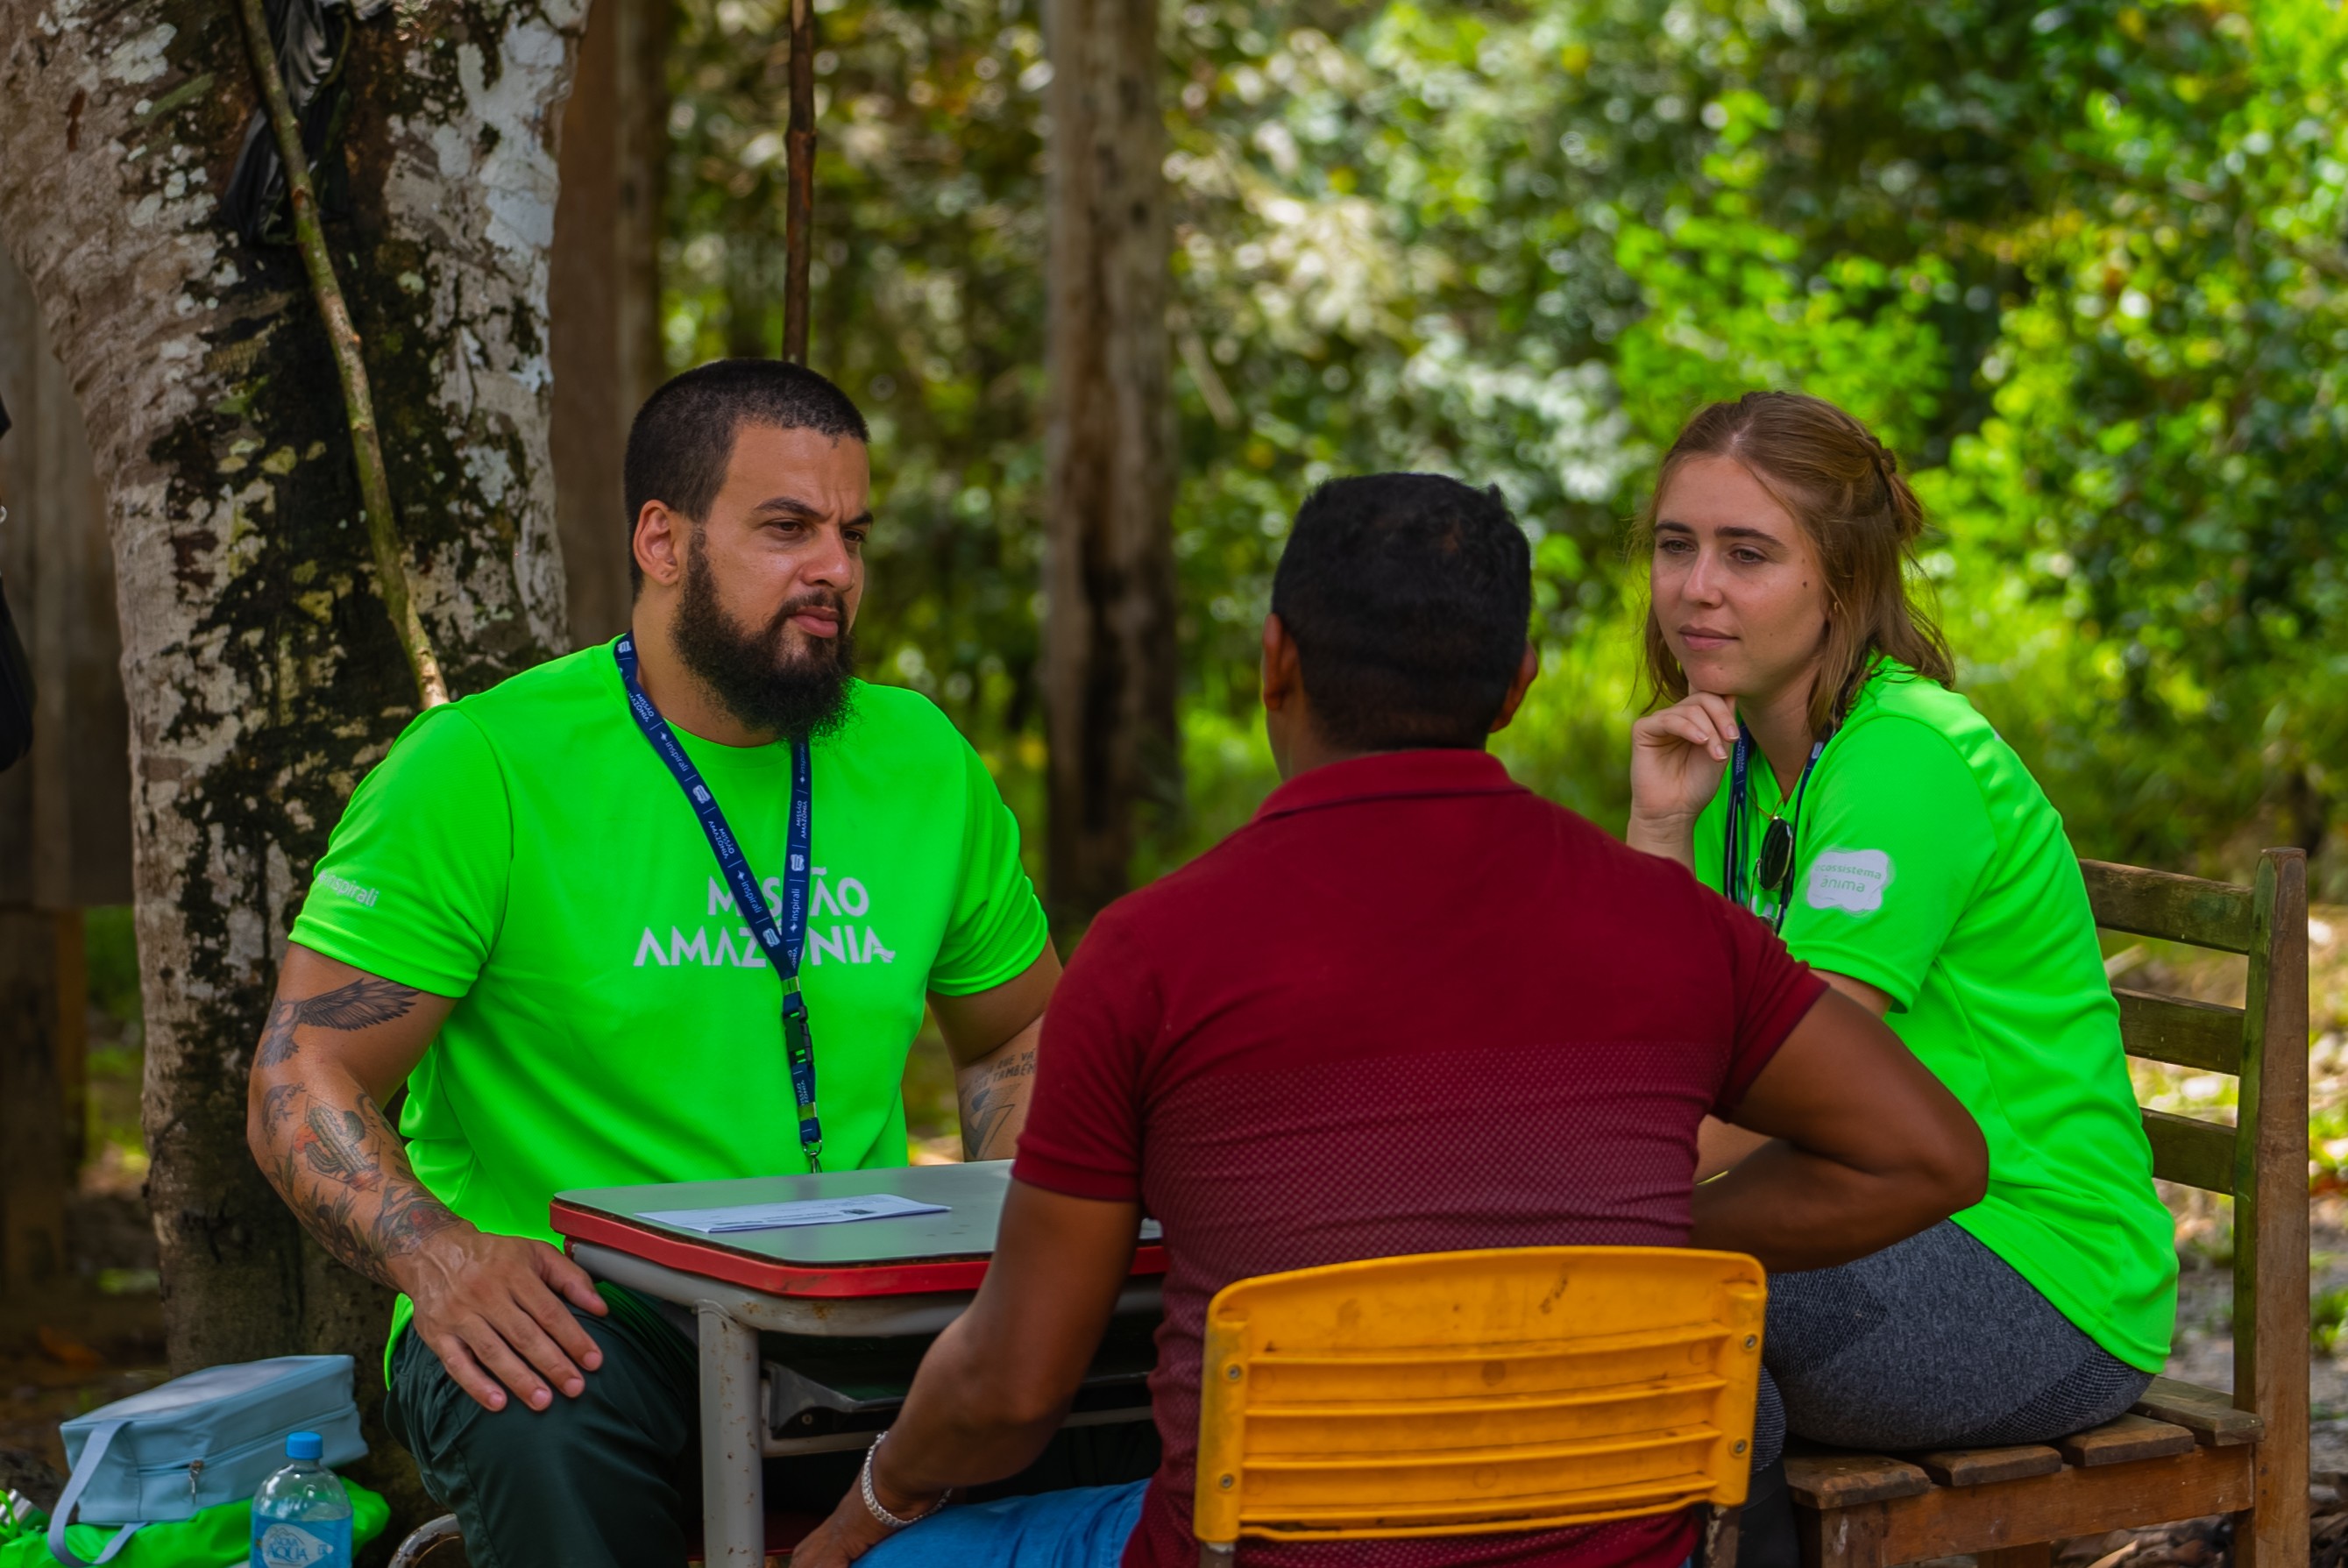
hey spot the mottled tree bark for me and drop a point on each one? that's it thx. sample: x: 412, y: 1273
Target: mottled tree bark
x: 261, y: 670
x: 1111, y: 664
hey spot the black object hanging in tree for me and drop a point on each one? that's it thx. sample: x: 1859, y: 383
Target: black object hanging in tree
x: 312, y: 38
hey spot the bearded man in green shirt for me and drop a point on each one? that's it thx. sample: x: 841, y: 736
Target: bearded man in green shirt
x: 521, y: 919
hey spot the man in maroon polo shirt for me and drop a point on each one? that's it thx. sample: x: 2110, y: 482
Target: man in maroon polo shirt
x: 1411, y: 1008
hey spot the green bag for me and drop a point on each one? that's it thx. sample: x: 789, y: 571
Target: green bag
x: 217, y: 1537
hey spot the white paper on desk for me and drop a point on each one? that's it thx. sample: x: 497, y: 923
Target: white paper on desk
x: 781, y: 1216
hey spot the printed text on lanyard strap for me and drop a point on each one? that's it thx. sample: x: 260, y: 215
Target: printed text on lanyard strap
x: 782, y: 945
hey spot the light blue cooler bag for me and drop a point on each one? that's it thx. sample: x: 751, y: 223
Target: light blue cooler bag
x: 208, y: 1437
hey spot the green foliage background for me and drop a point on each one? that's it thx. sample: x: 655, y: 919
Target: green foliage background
x: 2081, y: 264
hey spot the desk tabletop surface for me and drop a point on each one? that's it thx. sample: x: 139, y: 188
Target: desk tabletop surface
x: 900, y: 1255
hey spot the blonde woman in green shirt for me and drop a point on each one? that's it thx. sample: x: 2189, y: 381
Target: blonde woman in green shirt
x: 1815, y: 766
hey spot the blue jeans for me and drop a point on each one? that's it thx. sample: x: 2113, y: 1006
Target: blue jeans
x: 1085, y: 1527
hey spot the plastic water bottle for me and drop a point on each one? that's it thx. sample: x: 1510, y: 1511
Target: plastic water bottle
x: 301, y: 1515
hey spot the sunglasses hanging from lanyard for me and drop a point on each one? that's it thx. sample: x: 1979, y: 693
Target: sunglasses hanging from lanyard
x: 1774, y: 874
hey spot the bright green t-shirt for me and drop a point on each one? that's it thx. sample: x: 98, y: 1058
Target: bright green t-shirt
x: 525, y: 851
x: 1931, y: 865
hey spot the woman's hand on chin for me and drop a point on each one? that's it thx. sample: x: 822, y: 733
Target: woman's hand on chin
x: 1677, y: 758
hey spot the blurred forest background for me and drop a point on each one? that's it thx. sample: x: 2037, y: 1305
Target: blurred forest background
x: 2080, y: 264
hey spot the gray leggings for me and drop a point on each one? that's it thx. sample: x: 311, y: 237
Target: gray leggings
x: 1933, y: 1343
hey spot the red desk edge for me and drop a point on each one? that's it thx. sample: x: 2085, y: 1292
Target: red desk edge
x: 714, y: 1260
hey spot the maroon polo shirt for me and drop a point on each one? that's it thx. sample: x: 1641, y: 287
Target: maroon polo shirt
x: 1411, y: 1008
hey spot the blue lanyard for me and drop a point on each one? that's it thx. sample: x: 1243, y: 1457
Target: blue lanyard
x: 783, y: 944
x: 1733, y: 870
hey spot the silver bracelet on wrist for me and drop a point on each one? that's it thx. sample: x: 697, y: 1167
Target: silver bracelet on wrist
x: 872, y: 1498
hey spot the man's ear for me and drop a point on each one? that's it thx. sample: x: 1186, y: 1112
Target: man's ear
x: 1283, y: 676
x: 659, y: 543
x: 1528, y: 671
x: 1284, y: 709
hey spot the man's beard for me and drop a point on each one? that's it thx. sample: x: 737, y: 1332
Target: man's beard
x: 798, y: 696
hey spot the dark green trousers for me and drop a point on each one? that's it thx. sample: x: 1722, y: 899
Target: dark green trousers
x: 609, y: 1479
x: 613, y: 1478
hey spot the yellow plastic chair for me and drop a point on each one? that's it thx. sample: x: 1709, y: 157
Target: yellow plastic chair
x: 1473, y: 1393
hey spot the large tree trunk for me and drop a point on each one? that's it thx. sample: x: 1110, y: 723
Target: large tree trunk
x: 65, y: 809
x: 262, y: 673
x: 605, y: 296
x: 1110, y: 659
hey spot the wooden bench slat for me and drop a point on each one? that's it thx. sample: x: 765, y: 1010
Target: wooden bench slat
x: 1832, y: 1480
x: 2196, y: 1153
x: 2171, y: 908
x: 2126, y: 1440
x: 2207, y: 1414
x: 2071, y: 1502
x: 1979, y: 1467
x: 2180, y: 1032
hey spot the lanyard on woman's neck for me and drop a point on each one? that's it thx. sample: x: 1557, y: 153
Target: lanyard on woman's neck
x: 783, y: 944
x: 1733, y: 871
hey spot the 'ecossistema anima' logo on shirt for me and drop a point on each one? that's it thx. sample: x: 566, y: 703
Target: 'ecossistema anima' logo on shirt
x: 839, y: 929
x: 1851, y: 879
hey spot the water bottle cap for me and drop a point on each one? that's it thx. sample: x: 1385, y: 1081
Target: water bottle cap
x: 305, y: 1446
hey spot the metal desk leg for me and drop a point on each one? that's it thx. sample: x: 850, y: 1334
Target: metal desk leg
x: 732, y: 1487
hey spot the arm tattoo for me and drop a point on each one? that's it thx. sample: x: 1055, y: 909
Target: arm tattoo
x: 277, y: 1105
x: 333, y: 1143
x: 408, y: 1217
x: 361, y: 1005
x: 988, y: 1104
x: 346, y: 1178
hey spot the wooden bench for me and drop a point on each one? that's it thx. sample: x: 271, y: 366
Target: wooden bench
x: 2184, y: 1451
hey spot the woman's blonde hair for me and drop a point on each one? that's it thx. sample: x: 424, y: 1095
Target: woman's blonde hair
x: 1843, y: 486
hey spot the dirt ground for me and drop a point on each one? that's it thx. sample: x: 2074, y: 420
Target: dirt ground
x: 2204, y: 1351
x: 84, y: 1340
x: 97, y: 1334
x: 70, y: 1349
